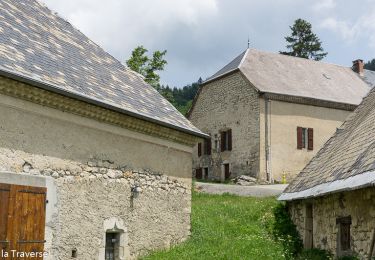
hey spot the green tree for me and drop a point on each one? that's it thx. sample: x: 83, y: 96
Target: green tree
x: 303, y: 42
x: 147, y: 66
x: 370, y: 65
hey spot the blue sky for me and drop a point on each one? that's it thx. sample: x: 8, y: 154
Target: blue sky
x: 201, y: 36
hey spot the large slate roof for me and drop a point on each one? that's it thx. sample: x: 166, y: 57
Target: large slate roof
x: 292, y: 76
x: 38, y: 45
x: 346, y: 161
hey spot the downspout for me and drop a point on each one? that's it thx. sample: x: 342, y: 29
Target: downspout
x: 267, y: 108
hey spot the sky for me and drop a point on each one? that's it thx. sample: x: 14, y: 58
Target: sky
x: 201, y: 36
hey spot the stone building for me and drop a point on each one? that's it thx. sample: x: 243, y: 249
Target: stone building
x: 331, y: 201
x: 268, y: 114
x: 94, y: 163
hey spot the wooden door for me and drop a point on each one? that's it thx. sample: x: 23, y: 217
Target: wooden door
x: 23, y: 214
x: 309, y: 232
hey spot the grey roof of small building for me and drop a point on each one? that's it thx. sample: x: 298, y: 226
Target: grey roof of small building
x: 369, y: 77
x: 38, y: 45
x: 346, y: 161
x: 292, y: 76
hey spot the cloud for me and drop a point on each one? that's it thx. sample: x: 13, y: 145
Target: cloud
x: 323, y: 5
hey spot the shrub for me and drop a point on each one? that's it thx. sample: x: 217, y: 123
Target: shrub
x: 314, y: 254
x: 284, y: 230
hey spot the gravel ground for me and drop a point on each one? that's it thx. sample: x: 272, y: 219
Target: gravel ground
x: 246, y: 191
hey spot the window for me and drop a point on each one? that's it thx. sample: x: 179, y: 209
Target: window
x: 198, y: 173
x: 207, y: 146
x: 226, y: 140
x: 206, y: 149
x: 305, y: 138
x: 206, y: 173
x: 344, y: 234
x: 216, y: 143
x: 308, y: 243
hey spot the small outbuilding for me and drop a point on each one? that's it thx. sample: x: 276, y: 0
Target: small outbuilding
x: 94, y: 162
x: 332, y: 200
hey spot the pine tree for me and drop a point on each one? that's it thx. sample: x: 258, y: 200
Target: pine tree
x: 370, y: 65
x: 303, y: 42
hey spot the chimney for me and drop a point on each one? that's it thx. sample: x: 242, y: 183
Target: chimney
x: 358, y: 66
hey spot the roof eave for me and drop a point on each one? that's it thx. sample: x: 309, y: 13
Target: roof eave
x: 356, y: 182
x: 57, y: 90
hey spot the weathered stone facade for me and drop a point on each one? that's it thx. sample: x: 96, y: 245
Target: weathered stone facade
x: 258, y: 122
x: 89, y: 168
x: 229, y: 103
x: 357, y: 204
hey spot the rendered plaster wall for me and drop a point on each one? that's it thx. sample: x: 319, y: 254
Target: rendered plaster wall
x: 228, y: 103
x: 92, y: 167
x: 283, y: 120
x: 357, y: 204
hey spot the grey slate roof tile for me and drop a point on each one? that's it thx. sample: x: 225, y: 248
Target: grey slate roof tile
x: 37, y: 44
x: 286, y: 75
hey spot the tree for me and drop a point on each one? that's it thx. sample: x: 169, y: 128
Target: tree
x: 370, y: 65
x: 146, y: 66
x: 303, y: 42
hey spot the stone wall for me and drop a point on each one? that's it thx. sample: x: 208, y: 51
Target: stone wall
x: 90, y: 168
x: 229, y: 102
x: 89, y: 194
x: 358, y: 204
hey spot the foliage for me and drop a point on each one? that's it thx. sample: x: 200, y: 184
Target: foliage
x: 146, y: 66
x: 348, y: 257
x: 227, y: 227
x: 181, y: 98
x: 370, y: 65
x: 314, y: 254
x: 303, y: 42
x: 285, y: 232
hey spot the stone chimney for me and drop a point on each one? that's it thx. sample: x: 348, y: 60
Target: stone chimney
x: 358, y: 66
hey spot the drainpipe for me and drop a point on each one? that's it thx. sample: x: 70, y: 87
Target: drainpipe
x: 267, y: 106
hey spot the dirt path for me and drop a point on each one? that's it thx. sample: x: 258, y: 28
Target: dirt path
x: 246, y: 191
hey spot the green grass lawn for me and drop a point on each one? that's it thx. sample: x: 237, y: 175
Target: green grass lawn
x: 227, y: 227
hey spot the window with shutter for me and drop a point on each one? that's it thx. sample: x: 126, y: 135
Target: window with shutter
x: 226, y: 140
x: 207, y: 146
x: 199, y: 149
x: 310, y: 135
x: 344, y: 233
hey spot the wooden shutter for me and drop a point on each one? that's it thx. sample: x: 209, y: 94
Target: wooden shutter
x: 198, y: 173
x: 223, y: 140
x: 4, y: 207
x: 310, y: 136
x: 299, y: 138
x: 209, y: 146
x: 199, y: 149
x: 229, y: 139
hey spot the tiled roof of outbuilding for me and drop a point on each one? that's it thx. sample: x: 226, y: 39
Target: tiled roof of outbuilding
x: 346, y: 161
x: 38, y: 45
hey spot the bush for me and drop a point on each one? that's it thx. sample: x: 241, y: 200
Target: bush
x: 314, y: 254
x: 284, y: 230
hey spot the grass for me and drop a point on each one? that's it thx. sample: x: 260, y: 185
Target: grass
x: 227, y: 227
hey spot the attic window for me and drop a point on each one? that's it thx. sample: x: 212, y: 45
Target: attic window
x: 326, y: 76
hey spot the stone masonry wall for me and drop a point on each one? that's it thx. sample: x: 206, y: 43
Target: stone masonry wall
x: 229, y: 102
x: 88, y: 194
x: 358, y: 204
x: 93, y: 167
